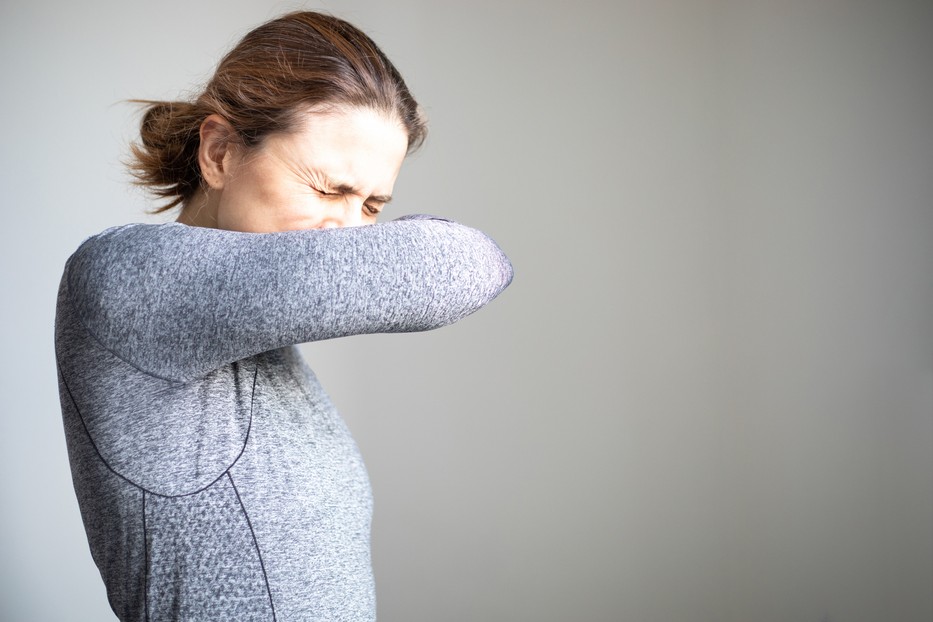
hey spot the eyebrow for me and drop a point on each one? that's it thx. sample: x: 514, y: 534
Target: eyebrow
x: 345, y: 188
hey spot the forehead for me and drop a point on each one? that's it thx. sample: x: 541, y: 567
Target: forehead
x: 356, y: 145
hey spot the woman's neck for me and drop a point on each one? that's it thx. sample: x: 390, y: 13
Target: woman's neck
x: 200, y: 210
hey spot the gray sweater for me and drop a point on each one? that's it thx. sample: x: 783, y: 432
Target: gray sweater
x: 215, y: 478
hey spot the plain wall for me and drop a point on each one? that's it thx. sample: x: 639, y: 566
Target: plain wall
x: 708, y: 393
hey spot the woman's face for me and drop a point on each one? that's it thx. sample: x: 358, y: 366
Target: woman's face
x: 337, y: 169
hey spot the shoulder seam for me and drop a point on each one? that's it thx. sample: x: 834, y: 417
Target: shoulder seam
x: 84, y: 324
x: 100, y: 456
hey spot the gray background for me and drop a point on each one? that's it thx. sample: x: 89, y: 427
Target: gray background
x: 708, y: 394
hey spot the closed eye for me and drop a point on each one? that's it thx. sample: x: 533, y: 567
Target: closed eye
x: 372, y: 207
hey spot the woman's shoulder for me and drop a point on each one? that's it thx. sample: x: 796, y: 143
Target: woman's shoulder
x: 115, y: 259
x: 121, y: 234
x: 137, y: 245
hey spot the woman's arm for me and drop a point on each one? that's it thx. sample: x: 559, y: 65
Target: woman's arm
x: 178, y: 301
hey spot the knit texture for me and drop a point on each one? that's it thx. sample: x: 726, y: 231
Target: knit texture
x: 215, y: 478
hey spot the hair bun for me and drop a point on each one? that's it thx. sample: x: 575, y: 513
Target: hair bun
x: 166, y: 156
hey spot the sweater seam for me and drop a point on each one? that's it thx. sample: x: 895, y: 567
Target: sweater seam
x: 146, y: 560
x: 100, y: 456
x: 86, y: 326
x: 249, y: 523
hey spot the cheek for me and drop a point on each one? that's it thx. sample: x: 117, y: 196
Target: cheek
x: 308, y: 210
x: 254, y: 202
x: 239, y: 208
x: 262, y: 207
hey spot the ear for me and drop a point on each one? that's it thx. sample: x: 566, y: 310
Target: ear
x: 217, y: 142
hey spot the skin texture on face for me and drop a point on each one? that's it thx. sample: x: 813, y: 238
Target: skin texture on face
x: 337, y: 169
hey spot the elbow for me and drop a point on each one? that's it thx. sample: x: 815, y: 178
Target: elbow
x: 464, y: 271
x: 506, y: 271
x: 491, y: 271
x: 498, y: 271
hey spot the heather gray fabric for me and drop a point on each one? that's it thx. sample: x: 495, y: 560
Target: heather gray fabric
x: 215, y: 478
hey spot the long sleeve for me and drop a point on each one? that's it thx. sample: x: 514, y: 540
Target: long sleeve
x: 177, y: 301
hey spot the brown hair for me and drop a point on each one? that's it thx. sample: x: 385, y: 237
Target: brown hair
x: 299, y: 61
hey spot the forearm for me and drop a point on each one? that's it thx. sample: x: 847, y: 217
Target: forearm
x: 178, y: 301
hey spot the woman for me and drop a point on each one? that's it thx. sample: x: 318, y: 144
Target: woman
x: 215, y: 479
